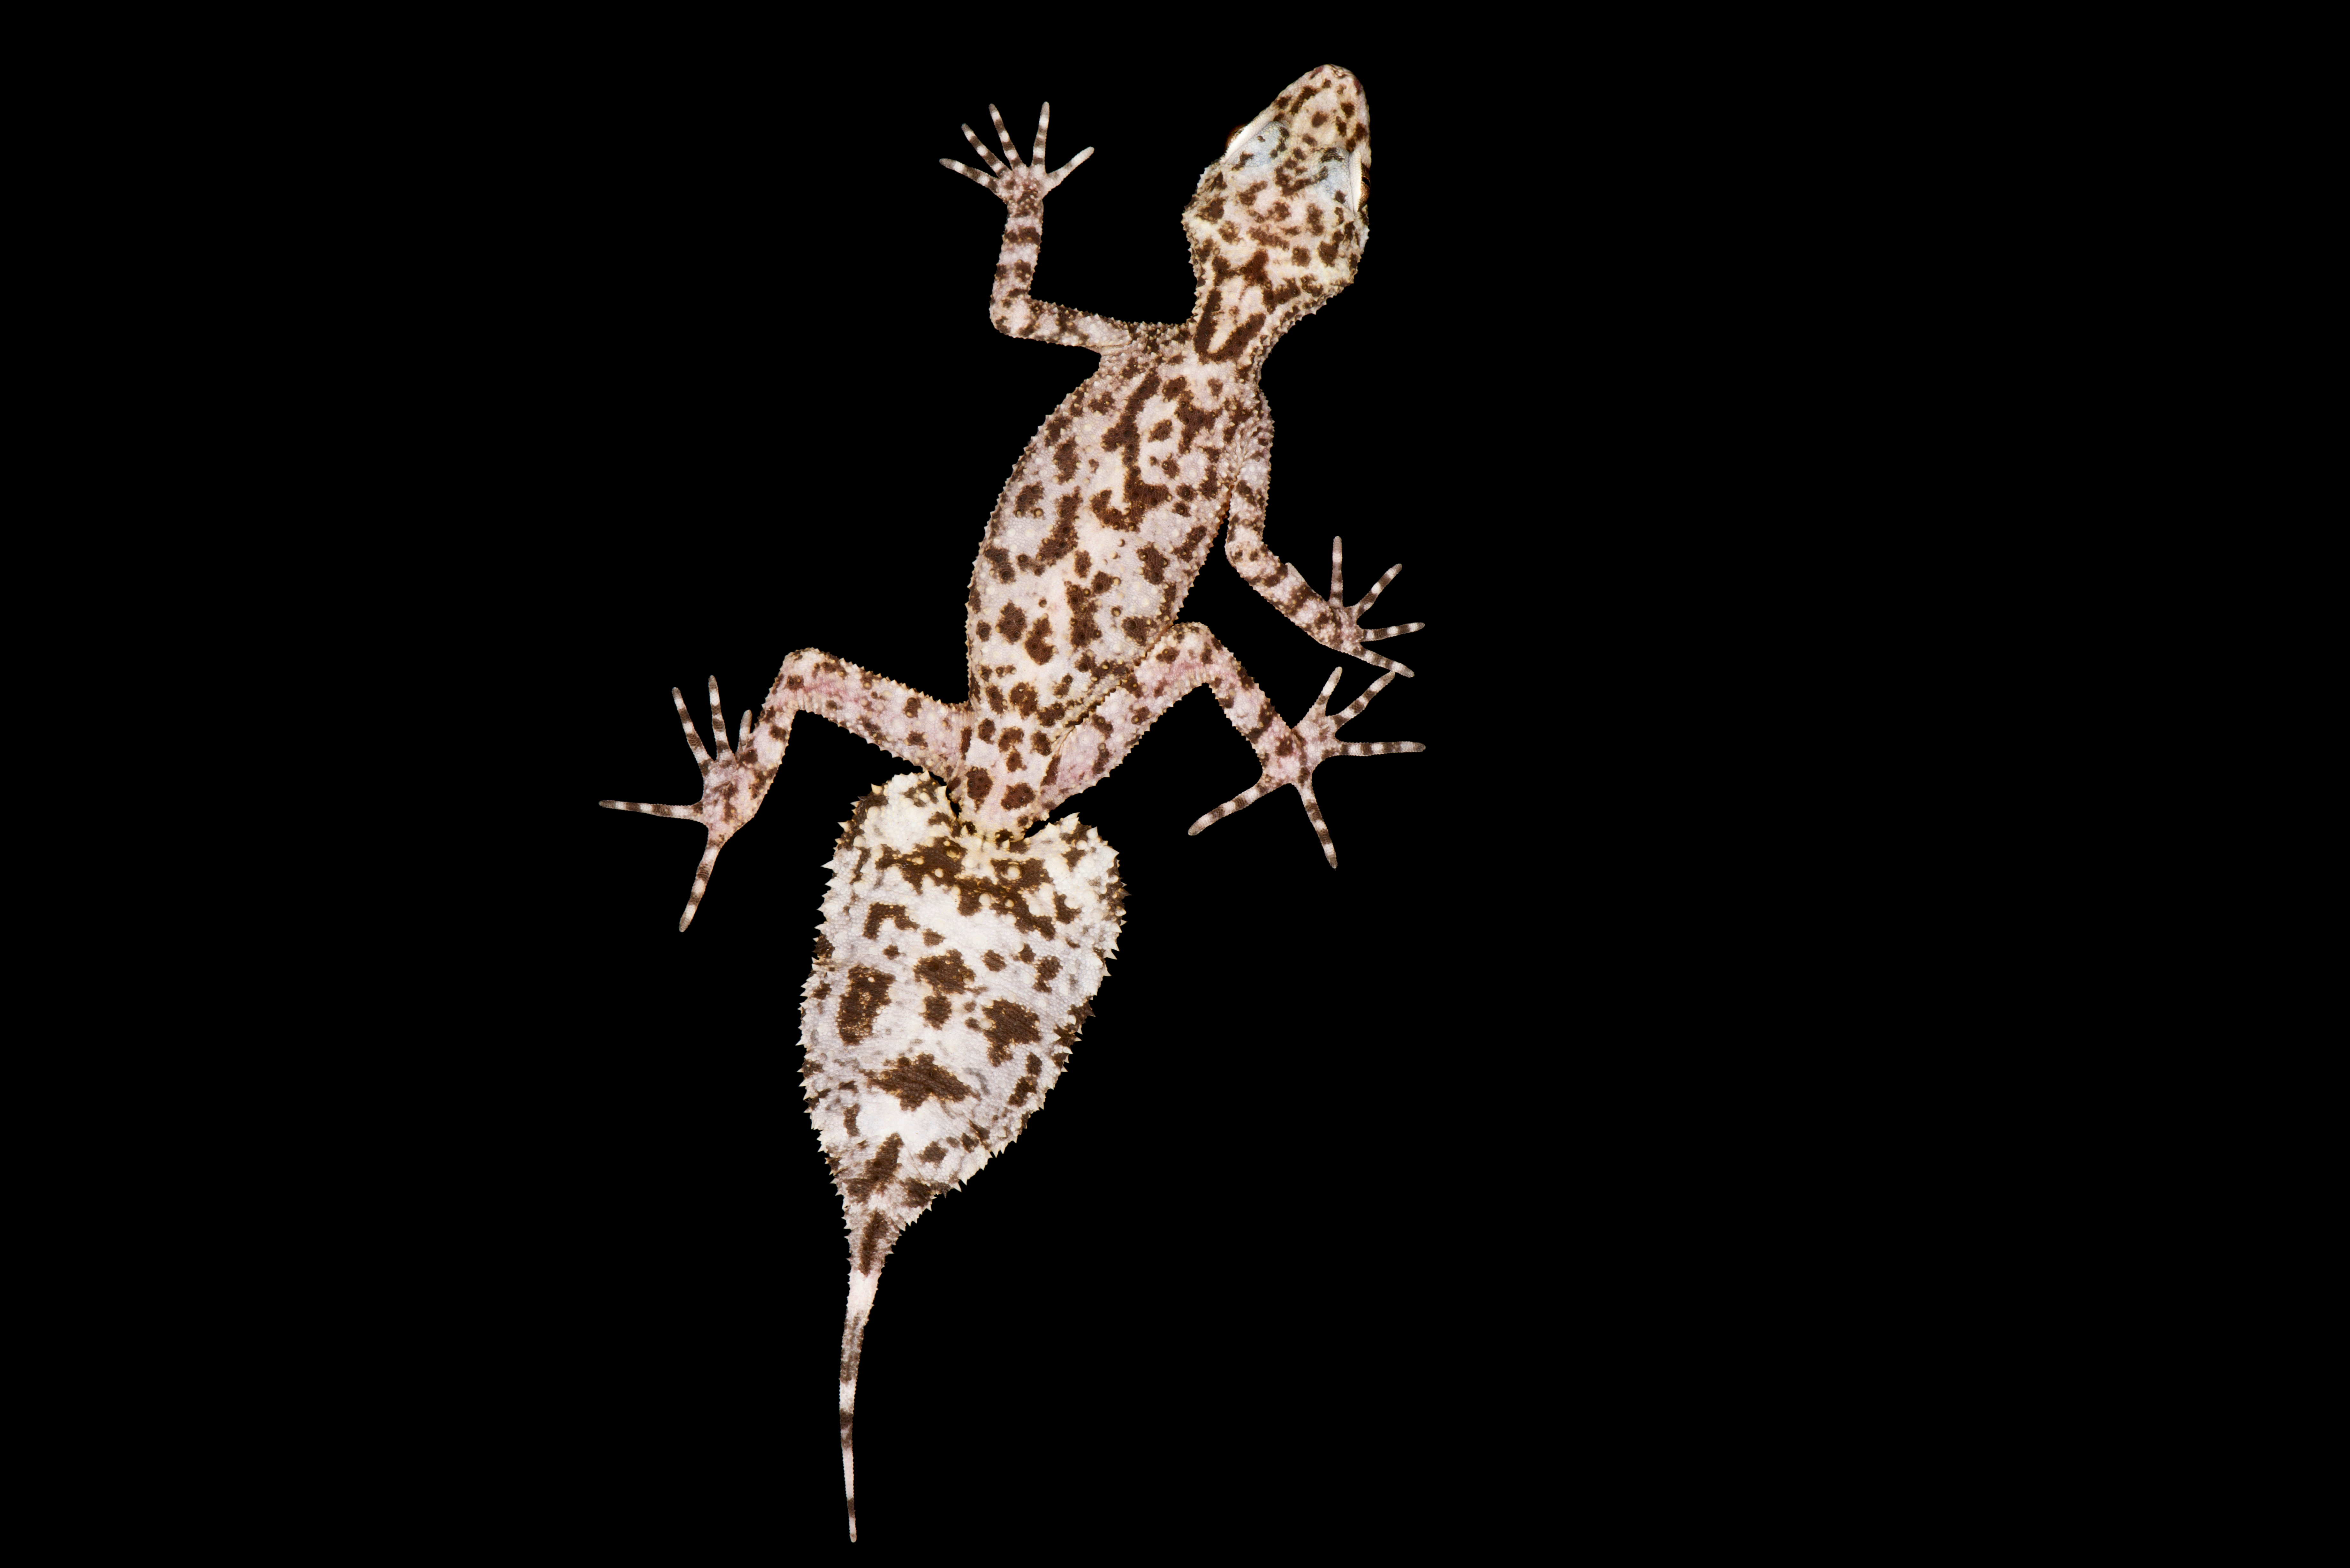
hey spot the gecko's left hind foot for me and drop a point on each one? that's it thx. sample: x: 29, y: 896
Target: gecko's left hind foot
x: 731, y: 788
x: 1291, y: 757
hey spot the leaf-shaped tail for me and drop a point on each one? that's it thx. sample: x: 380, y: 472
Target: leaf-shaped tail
x: 954, y: 971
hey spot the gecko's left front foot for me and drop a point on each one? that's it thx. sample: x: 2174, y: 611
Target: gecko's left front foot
x: 1350, y: 636
x: 1306, y: 745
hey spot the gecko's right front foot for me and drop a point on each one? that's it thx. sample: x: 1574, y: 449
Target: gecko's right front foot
x: 731, y: 788
x: 1022, y: 187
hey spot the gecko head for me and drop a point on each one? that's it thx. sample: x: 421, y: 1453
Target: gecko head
x: 1278, y: 223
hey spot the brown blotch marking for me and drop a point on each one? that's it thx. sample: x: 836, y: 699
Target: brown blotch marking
x: 881, y: 912
x: 1137, y: 629
x: 849, y: 1117
x: 1013, y: 624
x: 1039, y: 644
x: 877, y: 1231
x: 880, y: 1169
x: 1154, y: 564
x: 997, y: 556
x: 917, y: 1081
x: 932, y: 1155
x: 868, y: 993
x: 1018, y: 798
x: 1030, y: 499
x: 1022, y: 1089
x: 987, y: 728
x: 994, y: 960
x: 945, y: 972
x: 1082, y: 628
x: 1045, y: 970
x: 1085, y: 563
x: 1194, y: 422
x: 1023, y: 697
x: 977, y: 783
x: 1065, y: 459
x: 1060, y: 542
x: 1008, y: 1024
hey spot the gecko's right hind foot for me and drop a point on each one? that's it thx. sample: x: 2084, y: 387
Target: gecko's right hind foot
x: 731, y: 788
x: 1012, y: 181
x: 1291, y: 760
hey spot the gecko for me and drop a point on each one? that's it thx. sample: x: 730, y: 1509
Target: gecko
x: 950, y: 905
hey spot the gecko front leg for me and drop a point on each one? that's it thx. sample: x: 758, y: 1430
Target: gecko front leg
x: 1021, y: 188
x: 1189, y: 655
x: 1330, y: 621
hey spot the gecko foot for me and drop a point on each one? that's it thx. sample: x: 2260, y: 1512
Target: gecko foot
x: 1291, y: 758
x: 1350, y: 636
x: 732, y: 787
x: 1016, y: 184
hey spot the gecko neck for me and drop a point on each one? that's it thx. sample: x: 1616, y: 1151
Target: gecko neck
x: 1232, y: 326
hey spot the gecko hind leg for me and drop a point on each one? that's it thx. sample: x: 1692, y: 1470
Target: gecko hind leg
x: 1314, y: 739
x: 733, y: 783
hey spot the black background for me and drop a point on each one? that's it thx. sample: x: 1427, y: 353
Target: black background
x: 721, y: 355
x: 1492, y: 1175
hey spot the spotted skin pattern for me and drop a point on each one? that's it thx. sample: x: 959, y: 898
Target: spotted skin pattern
x: 962, y: 943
